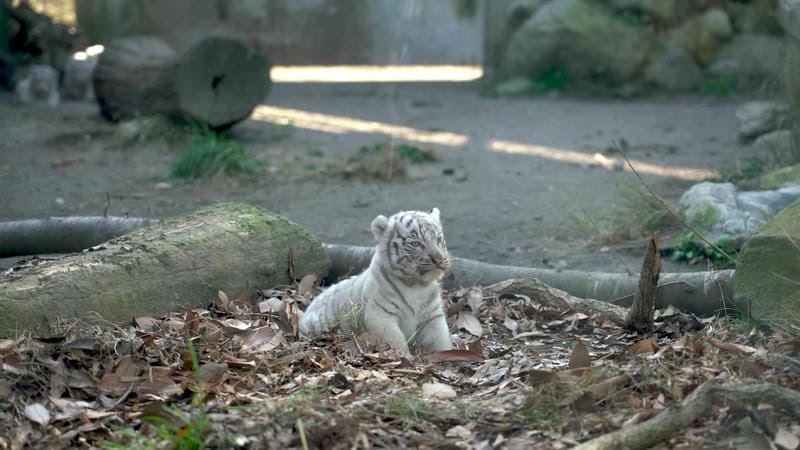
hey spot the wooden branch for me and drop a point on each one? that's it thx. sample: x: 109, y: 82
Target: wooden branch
x: 693, y: 407
x: 640, y: 315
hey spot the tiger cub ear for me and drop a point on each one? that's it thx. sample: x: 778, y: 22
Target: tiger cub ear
x: 435, y: 214
x: 379, y: 226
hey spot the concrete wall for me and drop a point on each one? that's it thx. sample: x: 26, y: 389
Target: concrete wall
x: 305, y: 31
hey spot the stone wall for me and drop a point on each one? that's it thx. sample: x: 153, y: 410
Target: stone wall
x: 304, y: 31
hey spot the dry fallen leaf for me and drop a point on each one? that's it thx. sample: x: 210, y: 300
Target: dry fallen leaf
x: 580, y: 357
x: 454, y: 356
x: 644, y: 347
x: 36, y: 412
x: 438, y: 391
x: 730, y: 347
x: 470, y: 323
x: 306, y: 286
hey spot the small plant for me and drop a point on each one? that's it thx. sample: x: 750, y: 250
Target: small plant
x: 692, y: 250
x: 719, y: 86
x: 208, y: 153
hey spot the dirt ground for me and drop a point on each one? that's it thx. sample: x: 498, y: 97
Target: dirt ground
x: 541, y: 200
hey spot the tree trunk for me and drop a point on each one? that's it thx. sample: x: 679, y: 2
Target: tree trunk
x: 702, y: 293
x: 216, y: 82
x: 162, y: 268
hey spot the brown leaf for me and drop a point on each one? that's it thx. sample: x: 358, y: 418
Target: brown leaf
x: 475, y: 346
x: 157, y: 413
x: 752, y: 369
x: 475, y: 299
x: 306, y: 286
x: 580, y: 356
x: 212, y: 374
x: 470, y: 323
x: 603, y: 388
x: 538, y: 377
x: 735, y: 348
x: 146, y: 324
x: 224, y: 301
x: 454, y: 356
x: 644, y: 347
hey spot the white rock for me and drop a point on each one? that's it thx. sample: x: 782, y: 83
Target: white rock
x: 761, y: 117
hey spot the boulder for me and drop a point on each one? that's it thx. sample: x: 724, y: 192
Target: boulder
x: 674, y: 70
x: 778, y: 144
x: 767, y: 278
x: 581, y: 37
x: 781, y: 177
x: 702, y: 35
x: 717, y: 209
x: 755, y: 16
x: 750, y: 59
x: 789, y: 16
x: 761, y: 117
x: 519, y: 11
x: 663, y: 11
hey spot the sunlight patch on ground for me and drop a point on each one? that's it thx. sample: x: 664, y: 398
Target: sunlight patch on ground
x: 377, y: 74
x: 328, y: 123
x: 597, y: 159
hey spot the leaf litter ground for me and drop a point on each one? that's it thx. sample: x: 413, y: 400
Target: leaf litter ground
x: 234, y: 374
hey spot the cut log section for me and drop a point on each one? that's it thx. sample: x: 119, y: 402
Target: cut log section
x: 216, y: 82
x: 163, y: 268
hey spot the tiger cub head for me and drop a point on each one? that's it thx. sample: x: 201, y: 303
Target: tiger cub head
x: 411, y: 245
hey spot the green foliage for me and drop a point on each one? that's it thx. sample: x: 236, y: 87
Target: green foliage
x: 408, y: 152
x: 719, y: 86
x: 555, y: 79
x: 692, y: 250
x: 208, y: 153
x: 745, y: 175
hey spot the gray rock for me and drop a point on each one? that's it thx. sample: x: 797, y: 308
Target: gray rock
x: 750, y: 58
x: 789, y: 16
x: 519, y: 11
x: 674, y: 70
x: 717, y: 209
x: 757, y: 118
x: 665, y: 11
x: 767, y: 277
x: 37, y: 83
x: 582, y: 37
x: 755, y: 16
x: 702, y: 35
x: 778, y: 144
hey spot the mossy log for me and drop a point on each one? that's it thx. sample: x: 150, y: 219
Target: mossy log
x: 162, y: 268
x: 216, y: 82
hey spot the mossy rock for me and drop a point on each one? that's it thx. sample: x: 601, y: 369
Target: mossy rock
x: 778, y: 178
x: 767, y: 279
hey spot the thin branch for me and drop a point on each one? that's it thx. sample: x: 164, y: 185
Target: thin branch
x: 675, y: 215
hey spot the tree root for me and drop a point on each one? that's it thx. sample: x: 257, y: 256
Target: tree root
x: 697, y: 404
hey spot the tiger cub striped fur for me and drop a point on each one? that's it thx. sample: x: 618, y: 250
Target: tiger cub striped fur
x: 398, y: 297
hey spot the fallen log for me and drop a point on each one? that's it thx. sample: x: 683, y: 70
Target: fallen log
x: 63, y: 234
x: 702, y: 293
x: 551, y: 297
x: 216, y: 82
x: 163, y: 268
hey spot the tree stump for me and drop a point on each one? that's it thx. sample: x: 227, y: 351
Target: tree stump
x: 163, y: 268
x: 216, y: 82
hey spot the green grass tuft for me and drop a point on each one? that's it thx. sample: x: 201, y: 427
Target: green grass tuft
x: 208, y: 153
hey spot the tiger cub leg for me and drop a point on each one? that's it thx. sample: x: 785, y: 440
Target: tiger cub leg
x: 434, y: 335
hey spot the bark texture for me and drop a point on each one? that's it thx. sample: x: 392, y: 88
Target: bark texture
x: 217, y: 82
x: 640, y: 315
x: 163, y: 268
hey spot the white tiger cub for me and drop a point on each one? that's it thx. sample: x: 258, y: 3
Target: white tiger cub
x: 398, y: 297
